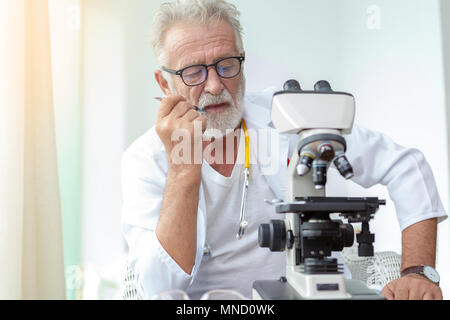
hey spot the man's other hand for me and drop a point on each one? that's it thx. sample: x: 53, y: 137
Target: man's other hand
x: 412, y: 287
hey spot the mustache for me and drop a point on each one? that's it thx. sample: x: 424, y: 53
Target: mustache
x: 207, y: 99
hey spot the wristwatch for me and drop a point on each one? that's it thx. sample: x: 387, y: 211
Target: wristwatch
x: 429, y: 272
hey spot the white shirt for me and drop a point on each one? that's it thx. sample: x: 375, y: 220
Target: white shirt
x: 235, y: 264
x: 375, y: 159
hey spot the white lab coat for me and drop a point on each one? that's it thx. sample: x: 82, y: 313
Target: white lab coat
x: 375, y: 159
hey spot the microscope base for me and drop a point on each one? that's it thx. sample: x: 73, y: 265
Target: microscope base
x: 279, y: 290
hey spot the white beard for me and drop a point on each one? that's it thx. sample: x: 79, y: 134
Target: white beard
x: 219, y: 125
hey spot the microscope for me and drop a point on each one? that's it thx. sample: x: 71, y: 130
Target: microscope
x: 320, y: 118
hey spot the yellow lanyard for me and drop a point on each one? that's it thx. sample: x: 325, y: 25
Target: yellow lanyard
x: 247, y: 143
x: 243, y: 222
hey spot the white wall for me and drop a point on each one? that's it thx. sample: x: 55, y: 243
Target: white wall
x: 103, y: 109
x: 388, y: 54
x: 395, y: 73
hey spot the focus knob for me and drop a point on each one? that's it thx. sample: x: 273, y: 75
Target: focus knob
x: 346, y: 237
x: 272, y: 235
x: 264, y: 235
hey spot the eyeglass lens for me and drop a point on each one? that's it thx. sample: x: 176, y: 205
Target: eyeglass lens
x: 227, y: 68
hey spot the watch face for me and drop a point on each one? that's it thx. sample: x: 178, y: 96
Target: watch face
x: 431, y: 274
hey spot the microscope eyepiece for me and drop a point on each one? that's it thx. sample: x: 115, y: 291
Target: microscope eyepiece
x: 323, y: 86
x: 292, y: 85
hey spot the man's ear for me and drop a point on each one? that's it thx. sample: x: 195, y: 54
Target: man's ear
x: 162, y: 82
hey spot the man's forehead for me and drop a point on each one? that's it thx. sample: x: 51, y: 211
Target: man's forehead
x: 189, y: 43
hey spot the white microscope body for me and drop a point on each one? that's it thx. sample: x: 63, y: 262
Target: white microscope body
x: 320, y: 118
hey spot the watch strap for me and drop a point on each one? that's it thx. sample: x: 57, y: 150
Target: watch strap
x: 415, y: 269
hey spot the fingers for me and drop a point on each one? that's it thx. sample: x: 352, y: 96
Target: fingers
x: 412, y: 288
x: 203, y: 119
x: 401, y: 293
x: 388, y: 293
x: 167, y: 105
x: 400, y: 288
x: 416, y: 294
x: 191, y: 115
x: 428, y: 296
x: 433, y: 294
x: 174, y: 106
x: 181, y: 109
x: 438, y: 295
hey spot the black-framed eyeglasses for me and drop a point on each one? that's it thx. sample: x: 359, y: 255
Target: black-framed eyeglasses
x: 197, y: 74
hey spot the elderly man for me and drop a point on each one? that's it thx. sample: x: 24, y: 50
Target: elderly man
x: 180, y: 217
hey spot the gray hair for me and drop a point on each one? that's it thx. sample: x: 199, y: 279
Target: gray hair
x: 197, y: 11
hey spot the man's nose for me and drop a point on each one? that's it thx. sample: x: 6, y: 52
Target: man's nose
x: 213, y: 84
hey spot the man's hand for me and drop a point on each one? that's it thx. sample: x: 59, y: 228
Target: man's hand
x: 412, y: 287
x: 177, y: 224
x: 175, y: 126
